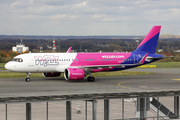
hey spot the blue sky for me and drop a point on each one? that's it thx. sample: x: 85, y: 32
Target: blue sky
x: 88, y: 17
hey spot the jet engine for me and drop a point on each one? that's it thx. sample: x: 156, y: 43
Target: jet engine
x: 51, y: 74
x: 74, y: 74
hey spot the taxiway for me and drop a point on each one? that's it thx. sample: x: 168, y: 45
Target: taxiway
x: 160, y: 80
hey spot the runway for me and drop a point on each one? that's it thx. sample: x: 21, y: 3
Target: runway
x: 158, y: 81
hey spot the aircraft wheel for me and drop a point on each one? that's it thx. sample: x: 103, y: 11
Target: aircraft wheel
x: 27, y: 79
x: 91, y: 79
x: 88, y: 79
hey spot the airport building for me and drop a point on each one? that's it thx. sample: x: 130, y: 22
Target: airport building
x: 20, y: 48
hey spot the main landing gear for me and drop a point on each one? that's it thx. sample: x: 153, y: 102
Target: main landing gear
x: 90, y: 79
x: 28, y: 77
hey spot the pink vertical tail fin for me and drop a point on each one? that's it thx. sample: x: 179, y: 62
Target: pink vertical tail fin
x: 149, y: 43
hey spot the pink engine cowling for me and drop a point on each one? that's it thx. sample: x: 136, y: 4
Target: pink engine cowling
x: 53, y: 74
x: 74, y: 74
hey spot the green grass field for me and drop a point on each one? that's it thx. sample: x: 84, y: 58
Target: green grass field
x: 7, y: 74
x: 2, y: 64
x: 100, y: 74
x: 166, y: 64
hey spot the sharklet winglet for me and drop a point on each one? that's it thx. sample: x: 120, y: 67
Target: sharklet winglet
x: 69, y: 50
x: 143, y: 59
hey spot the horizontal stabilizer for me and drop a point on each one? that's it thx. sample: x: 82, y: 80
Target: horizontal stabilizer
x: 156, y: 58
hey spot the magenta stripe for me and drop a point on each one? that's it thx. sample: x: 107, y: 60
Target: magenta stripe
x: 90, y: 59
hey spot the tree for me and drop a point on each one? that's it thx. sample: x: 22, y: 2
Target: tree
x: 113, y: 47
x: 177, y: 58
x: 3, y: 54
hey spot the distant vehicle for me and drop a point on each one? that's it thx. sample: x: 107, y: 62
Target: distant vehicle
x: 76, y: 66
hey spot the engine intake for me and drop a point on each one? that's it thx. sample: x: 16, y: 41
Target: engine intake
x: 74, y: 74
x: 53, y: 74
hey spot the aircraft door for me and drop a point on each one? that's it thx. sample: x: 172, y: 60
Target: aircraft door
x: 31, y: 60
x: 135, y: 58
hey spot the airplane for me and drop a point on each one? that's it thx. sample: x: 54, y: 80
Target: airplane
x: 75, y: 66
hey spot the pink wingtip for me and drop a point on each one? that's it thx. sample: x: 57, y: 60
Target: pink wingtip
x: 154, y: 31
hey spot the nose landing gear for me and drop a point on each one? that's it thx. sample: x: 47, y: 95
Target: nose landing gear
x: 28, y: 77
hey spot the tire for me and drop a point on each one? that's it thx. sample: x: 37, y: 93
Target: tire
x: 27, y: 79
x: 88, y: 79
x: 91, y: 79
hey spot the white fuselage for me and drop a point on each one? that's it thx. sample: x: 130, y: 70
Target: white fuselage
x: 41, y: 62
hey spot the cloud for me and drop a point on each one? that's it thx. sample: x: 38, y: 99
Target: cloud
x: 98, y: 15
x: 29, y: 16
x: 13, y: 4
x: 79, y: 17
x: 82, y: 4
x: 109, y: 19
x: 57, y: 16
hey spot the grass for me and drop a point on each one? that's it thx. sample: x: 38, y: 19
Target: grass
x: 166, y: 64
x: 2, y: 64
x: 100, y: 74
x: 19, y: 75
x: 119, y: 73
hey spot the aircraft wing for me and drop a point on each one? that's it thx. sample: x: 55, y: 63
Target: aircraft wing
x: 105, y: 66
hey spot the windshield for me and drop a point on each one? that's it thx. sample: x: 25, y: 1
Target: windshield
x: 18, y: 60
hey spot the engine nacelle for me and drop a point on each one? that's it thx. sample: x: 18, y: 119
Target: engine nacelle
x: 51, y: 74
x: 74, y: 74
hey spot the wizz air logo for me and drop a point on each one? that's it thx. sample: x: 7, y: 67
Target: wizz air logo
x: 46, y: 60
x: 113, y: 56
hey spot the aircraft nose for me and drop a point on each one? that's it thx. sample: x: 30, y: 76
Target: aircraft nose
x: 7, y: 66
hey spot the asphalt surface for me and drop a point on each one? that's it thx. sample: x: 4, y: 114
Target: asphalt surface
x: 162, y: 79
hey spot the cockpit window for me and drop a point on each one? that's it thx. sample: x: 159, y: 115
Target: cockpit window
x: 18, y: 60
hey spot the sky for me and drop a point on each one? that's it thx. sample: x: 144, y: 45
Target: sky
x: 88, y: 17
